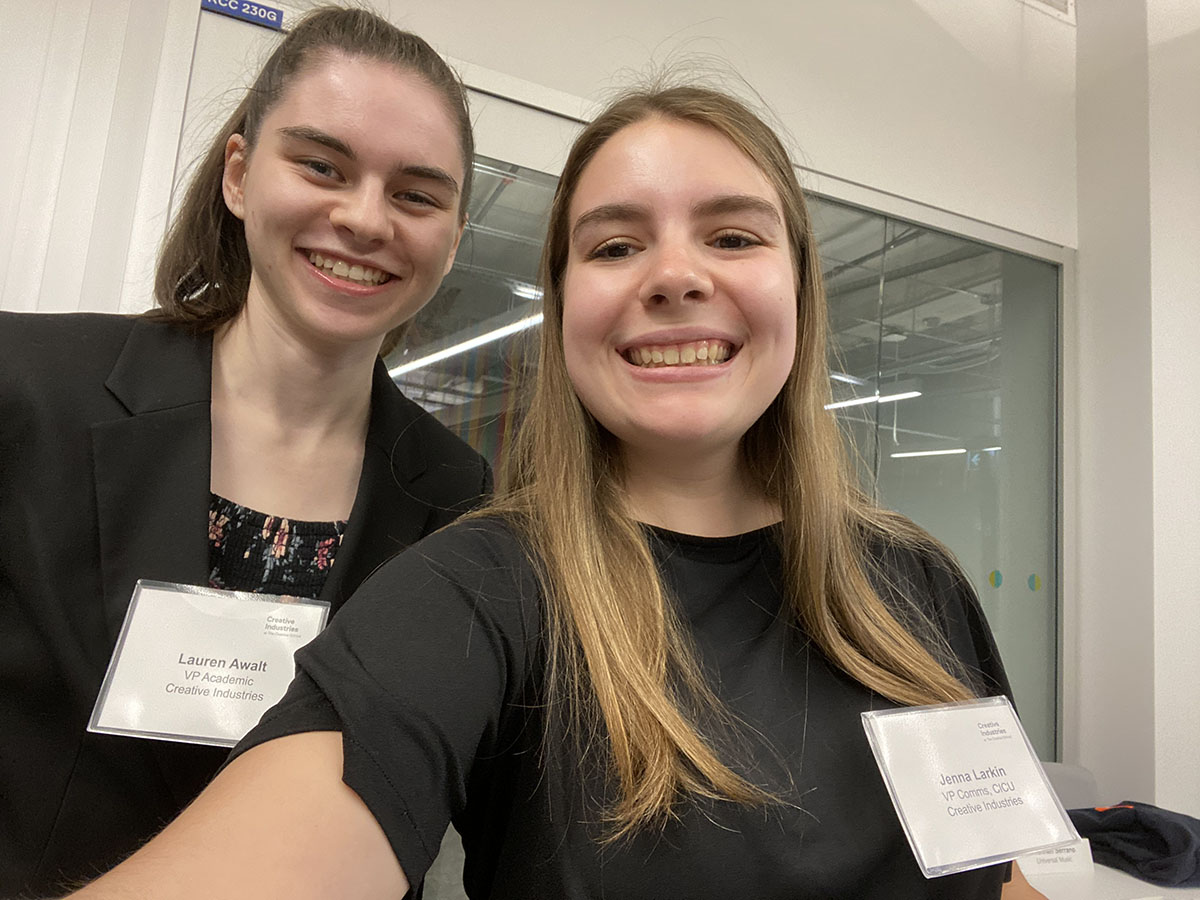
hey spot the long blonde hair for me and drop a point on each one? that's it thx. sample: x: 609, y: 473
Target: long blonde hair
x: 617, y: 654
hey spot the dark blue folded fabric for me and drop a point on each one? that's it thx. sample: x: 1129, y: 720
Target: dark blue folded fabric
x: 1156, y: 845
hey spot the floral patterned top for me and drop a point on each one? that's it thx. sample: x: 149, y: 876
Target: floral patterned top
x: 252, y: 551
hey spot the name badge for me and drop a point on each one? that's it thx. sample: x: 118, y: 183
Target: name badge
x: 1070, y: 859
x: 966, y: 784
x: 201, y: 665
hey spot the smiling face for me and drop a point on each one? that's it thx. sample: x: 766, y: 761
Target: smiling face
x: 350, y: 201
x: 679, y: 294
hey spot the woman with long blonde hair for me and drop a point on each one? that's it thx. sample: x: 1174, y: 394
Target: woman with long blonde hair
x: 639, y: 672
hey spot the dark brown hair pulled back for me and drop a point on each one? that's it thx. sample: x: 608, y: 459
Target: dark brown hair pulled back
x: 204, y: 268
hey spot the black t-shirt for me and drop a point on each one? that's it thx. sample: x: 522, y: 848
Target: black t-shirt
x: 432, y: 672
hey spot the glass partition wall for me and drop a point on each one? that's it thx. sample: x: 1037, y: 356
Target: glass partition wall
x: 944, y: 372
x: 461, y: 355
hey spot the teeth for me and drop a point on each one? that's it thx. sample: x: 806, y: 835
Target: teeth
x: 704, y: 353
x: 342, y: 269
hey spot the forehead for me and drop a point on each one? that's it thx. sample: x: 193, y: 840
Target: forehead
x: 373, y: 106
x: 660, y: 161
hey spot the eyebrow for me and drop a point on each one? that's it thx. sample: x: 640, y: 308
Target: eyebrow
x: 316, y: 136
x: 737, y: 203
x: 610, y: 212
x: 337, y: 145
x: 715, y: 206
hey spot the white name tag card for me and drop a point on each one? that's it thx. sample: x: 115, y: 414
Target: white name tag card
x: 1069, y: 859
x: 966, y: 784
x: 201, y: 665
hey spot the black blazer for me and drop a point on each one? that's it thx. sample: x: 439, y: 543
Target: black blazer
x: 105, y: 442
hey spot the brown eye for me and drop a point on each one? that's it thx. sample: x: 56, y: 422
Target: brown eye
x: 614, y: 249
x: 734, y: 240
x: 320, y: 168
x: 416, y: 197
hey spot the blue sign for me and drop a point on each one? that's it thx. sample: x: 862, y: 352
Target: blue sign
x: 256, y: 13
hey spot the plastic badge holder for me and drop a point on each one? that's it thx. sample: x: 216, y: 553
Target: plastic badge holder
x: 955, y: 821
x: 201, y: 665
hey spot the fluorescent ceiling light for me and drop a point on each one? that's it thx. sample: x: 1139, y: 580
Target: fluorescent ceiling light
x: 469, y: 344
x: 909, y: 453
x: 903, y: 395
x: 874, y: 398
x: 526, y: 291
x: 846, y: 379
x: 857, y: 401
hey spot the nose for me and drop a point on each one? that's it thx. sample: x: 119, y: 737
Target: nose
x: 365, y: 213
x: 677, y: 272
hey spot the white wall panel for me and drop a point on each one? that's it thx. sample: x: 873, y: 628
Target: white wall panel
x: 517, y: 134
x: 967, y: 107
x: 1174, y: 34
x: 152, y: 191
x: 80, y: 187
x: 1113, y: 403
x: 46, y: 58
x: 91, y: 128
x: 1133, y: 717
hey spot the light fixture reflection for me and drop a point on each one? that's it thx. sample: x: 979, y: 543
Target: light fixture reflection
x: 911, y: 453
x: 469, y: 344
x: 875, y: 398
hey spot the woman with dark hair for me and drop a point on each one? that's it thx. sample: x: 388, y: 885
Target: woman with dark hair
x: 244, y: 435
x: 640, y: 671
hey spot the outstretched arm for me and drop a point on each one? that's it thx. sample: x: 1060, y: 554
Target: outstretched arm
x: 1019, y: 888
x: 277, y: 822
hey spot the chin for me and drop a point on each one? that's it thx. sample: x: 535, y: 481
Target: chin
x: 338, y: 327
x: 686, y: 438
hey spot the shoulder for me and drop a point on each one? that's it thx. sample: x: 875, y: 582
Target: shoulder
x: 479, y: 553
x: 421, y: 449
x: 441, y: 443
x: 55, y: 365
x: 922, y: 574
x: 927, y: 590
x: 32, y: 324
x: 70, y: 343
x: 471, y: 577
x: 39, y: 339
x: 405, y: 422
x: 69, y: 360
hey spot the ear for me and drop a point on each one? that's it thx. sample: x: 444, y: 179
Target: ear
x: 234, y: 176
x: 462, y: 226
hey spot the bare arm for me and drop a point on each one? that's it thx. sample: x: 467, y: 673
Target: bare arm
x: 278, y: 822
x: 1019, y: 888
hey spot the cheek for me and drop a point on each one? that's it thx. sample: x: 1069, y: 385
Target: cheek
x: 779, y: 317
x: 573, y: 322
x: 429, y: 247
x: 788, y: 344
x: 581, y: 343
x: 574, y: 351
x: 588, y: 314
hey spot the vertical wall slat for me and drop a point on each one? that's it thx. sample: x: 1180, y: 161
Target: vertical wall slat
x: 86, y: 172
